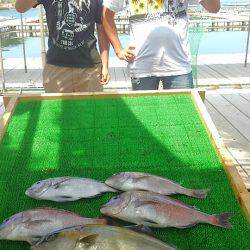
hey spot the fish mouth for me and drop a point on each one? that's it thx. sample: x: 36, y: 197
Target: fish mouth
x: 30, y: 193
x: 33, y: 194
x: 104, y: 206
x: 106, y: 209
x: 108, y: 182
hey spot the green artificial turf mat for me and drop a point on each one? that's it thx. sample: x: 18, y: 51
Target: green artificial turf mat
x: 96, y: 138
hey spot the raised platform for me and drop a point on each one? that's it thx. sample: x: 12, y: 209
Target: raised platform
x: 229, y: 110
x: 168, y: 133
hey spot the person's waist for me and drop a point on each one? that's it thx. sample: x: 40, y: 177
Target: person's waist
x: 157, y: 15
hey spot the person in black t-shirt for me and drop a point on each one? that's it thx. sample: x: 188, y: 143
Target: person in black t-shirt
x: 73, y: 61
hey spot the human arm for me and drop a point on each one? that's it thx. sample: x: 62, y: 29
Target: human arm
x: 111, y: 31
x: 24, y: 5
x: 104, y: 44
x: 212, y: 6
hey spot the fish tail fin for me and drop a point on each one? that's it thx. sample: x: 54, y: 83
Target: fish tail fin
x: 198, y: 193
x: 110, y: 189
x: 113, y: 190
x: 221, y: 220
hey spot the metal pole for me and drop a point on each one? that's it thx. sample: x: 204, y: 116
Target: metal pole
x: 42, y: 36
x: 1, y: 63
x: 248, y: 35
x: 24, y: 53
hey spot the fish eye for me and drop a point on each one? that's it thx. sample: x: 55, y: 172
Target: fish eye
x: 115, y: 198
x: 6, y: 220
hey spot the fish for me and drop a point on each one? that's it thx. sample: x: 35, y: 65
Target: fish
x: 126, y: 181
x: 31, y: 225
x: 62, y: 189
x: 100, y: 237
x: 156, y: 210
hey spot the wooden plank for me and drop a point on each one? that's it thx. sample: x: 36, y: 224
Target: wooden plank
x: 231, y: 73
x: 233, y: 175
x: 239, y: 102
x: 7, y: 116
x: 6, y: 100
x: 2, y: 109
x: 238, y: 146
x: 74, y: 96
x: 241, y: 70
x: 218, y: 143
x: 112, y: 74
x: 126, y: 76
x: 213, y: 71
x: 202, y: 93
x: 245, y: 204
x: 246, y: 96
x: 231, y: 114
x: 229, y: 91
x: 208, y: 77
x: 119, y: 75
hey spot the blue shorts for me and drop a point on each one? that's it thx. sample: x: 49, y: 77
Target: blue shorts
x: 169, y: 82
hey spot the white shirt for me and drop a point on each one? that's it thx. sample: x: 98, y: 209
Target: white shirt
x: 159, y: 35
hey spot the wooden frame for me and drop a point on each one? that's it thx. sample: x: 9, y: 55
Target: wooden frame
x: 198, y: 96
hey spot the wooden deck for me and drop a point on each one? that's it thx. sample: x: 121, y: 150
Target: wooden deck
x: 213, y: 71
x: 230, y: 111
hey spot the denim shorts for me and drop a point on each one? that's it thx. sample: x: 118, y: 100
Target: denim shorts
x: 169, y: 82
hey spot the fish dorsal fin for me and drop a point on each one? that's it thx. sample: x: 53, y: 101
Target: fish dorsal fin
x: 139, y: 203
x: 181, y: 203
x: 87, y: 240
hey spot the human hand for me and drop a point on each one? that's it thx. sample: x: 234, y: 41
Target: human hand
x: 126, y: 54
x: 105, y: 76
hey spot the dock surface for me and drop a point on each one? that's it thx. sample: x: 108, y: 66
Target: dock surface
x: 212, y: 71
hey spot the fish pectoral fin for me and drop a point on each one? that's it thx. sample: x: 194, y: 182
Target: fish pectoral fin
x: 150, y: 221
x: 35, y: 240
x: 88, y: 239
x: 141, y: 229
x: 187, y: 226
x: 38, y: 240
x: 140, y: 178
x: 59, y: 184
x: 65, y: 197
x: 30, y: 223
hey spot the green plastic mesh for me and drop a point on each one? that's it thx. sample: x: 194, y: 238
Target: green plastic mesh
x: 96, y: 138
x: 195, y: 35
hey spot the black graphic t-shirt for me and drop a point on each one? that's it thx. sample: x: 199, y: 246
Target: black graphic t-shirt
x: 71, y: 25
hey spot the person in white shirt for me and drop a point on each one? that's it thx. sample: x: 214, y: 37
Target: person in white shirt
x: 159, y: 47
